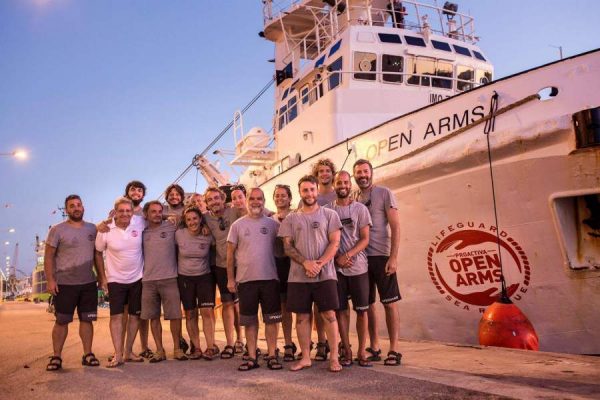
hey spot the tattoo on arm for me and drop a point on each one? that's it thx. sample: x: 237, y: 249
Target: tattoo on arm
x: 291, y: 251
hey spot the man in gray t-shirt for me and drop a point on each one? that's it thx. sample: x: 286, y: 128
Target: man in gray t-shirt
x: 251, y: 247
x: 69, y: 260
x: 159, y: 281
x: 382, y: 254
x: 311, y: 238
x: 352, y: 267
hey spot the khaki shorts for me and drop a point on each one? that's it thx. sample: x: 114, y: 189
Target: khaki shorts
x: 155, y: 293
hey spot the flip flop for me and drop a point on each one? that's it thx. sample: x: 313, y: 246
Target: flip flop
x: 114, y: 363
x: 133, y: 359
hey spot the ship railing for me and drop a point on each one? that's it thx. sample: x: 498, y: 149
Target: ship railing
x: 451, y: 84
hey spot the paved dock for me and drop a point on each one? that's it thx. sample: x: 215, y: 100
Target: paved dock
x: 430, y: 371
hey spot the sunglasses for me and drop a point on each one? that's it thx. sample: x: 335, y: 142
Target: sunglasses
x: 222, y: 224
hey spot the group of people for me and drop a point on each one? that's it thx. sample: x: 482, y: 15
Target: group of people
x: 337, y: 246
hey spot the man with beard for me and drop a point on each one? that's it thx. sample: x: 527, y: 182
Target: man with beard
x: 311, y: 238
x: 382, y: 255
x: 174, y: 194
x: 69, y: 266
x: 219, y: 220
x: 282, y: 196
x: 352, y: 268
x: 197, y: 200
x: 124, y: 265
x: 250, y: 247
x: 159, y: 282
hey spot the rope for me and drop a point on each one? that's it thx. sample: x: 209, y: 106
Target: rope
x: 463, y: 129
x: 349, y: 149
x: 489, y: 128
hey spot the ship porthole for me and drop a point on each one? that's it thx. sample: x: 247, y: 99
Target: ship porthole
x: 548, y: 92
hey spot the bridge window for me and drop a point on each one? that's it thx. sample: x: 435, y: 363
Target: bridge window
x: 304, y: 94
x: 441, y: 45
x: 462, y: 50
x: 335, y: 78
x: 320, y: 61
x: 479, y: 56
x: 414, y: 41
x: 421, y: 66
x: 482, y: 77
x: 335, y: 48
x: 282, y: 117
x: 365, y: 62
x: 464, y: 76
x: 391, y: 63
x: 292, y: 109
x: 389, y: 38
x: 443, y: 73
x: 285, y: 93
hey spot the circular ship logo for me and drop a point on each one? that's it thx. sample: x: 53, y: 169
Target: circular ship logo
x: 464, y: 265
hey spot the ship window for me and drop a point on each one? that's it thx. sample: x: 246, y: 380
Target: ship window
x: 462, y: 50
x: 391, y: 63
x: 421, y: 66
x: 443, y: 73
x: 587, y: 129
x: 389, y: 38
x: 482, y: 76
x: 285, y: 93
x: 464, y: 76
x: 335, y: 78
x: 304, y: 94
x: 320, y: 61
x: 414, y: 41
x: 478, y: 55
x: 292, y: 109
x: 365, y: 62
x: 335, y: 48
x: 282, y: 117
x: 441, y: 45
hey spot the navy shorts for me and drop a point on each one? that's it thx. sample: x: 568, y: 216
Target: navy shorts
x: 197, y: 291
x: 220, y: 275
x: 83, y: 297
x: 120, y: 294
x: 355, y: 288
x: 386, y: 285
x: 302, y: 295
x: 263, y: 293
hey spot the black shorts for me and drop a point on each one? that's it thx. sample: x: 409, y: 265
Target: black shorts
x: 265, y: 293
x: 120, y: 294
x: 283, y: 272
x: 302, y: 295
x: 197, y: 291
x: 220, y: 275
x: 83, y: 297
x: 387, y: 285
x: 355, y: 288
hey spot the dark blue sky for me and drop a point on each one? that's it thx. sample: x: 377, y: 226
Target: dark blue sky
x: 101, y: 92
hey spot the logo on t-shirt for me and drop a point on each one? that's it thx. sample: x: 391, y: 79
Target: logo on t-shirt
x: 247, y: 232
x: 264, y: 230
x: 316, y: 225
x: 134, y: 233
x: 91, y: 237
x: 202, y: 246
x: 163, y: 235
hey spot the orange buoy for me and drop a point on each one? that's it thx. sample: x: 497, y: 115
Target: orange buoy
x: 503, y: 324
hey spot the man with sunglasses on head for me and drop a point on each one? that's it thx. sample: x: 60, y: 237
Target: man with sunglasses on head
x: 382, y: 256
x: 219, y: 219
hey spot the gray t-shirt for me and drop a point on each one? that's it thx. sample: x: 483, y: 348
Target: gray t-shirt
x: 279, y: 252
x: 353, y: 217
x: 160, y: 260
x: 254, y: 256
x: 378, y: 200
x: 310, y: 235
x: 74, y: 258
x: 193, y: 255
x: 220, y: 235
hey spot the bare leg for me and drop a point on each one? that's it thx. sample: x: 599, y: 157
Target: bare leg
x: 373, y: 335
x: 236, y: 321
x: 59, y: 335
x: 286, y: 323
x: 303, y: 331
x: 175, y: 325
x: 228, y: 322
x: 271, y: 332
x: 392, y: 321
x: 144, y: 328
x: 86, y: 333
x: 156, y: 328
x: 208, y: 326
x: 191, y: 324
x: 117, y: 332
x: 343, y: 317
x: 132, y: 328
x: 331, y: 328
x: 361, y: 330
x: 251, y: 338
x: 320, y: 324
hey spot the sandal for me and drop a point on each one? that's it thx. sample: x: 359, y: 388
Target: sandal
x: 375, y: 354
x: 246, y: 355
x: 266, y: 355
x: 322, y: 351
x: 289, y: 351
x: 211, y: 353
x: 364, y: 362
x: 147, y: 354
x: 346, y: 360
x: 90, y: 360
x: 179, y: 355
x: 133, y: 358
x: 54, y: 364
x: 393, y: 359
x: 158, y: 357
x: 273, y: 363
x: 183, y: 345
x: 238, y: 347
x: 195, y: 355
x: 114, y: 363
x: 228, y: 352
x: 248, y: 365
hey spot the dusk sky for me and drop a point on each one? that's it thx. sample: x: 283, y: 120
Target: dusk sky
x: 105, y: 91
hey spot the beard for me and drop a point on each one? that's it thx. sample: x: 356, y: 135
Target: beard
x: 342, y: 193
x: 363, y: 183
x: 76, y: 218
x: 309, y: 202
x: 136, y: 202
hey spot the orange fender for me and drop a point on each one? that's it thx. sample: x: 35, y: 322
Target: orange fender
x: 505, y: 325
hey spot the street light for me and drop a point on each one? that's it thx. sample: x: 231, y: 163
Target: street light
x: 18, y: 154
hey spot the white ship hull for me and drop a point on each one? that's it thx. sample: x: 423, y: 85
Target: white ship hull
x: 438, y: 170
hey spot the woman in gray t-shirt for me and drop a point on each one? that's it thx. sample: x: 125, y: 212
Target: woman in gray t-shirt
x: 196, y: 284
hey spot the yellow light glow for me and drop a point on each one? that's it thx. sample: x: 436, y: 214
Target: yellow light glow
x: 20, y: 154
